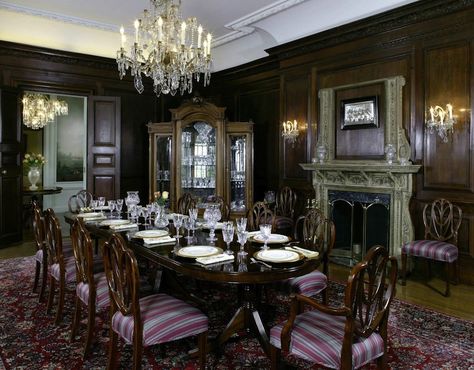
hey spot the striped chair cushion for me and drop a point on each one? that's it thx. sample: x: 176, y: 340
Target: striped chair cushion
x: 318, y: 337
x: 70, y: 268
x: 309, y: 284
x: 432, y: 249
x: 165, y: 319
x: 283, y: 222
x: 102, y: 291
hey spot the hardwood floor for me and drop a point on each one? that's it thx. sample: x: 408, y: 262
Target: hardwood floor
x: 416, y: 291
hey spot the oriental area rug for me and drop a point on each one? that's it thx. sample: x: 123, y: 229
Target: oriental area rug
x: 419, y: 338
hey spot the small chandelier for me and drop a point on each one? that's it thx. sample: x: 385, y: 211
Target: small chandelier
x: 442, y: 121
x: 166, y: 48
x: 40, y: 109
x: 290, y: 131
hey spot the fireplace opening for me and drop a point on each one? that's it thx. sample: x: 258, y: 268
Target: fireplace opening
x: 362, y: 220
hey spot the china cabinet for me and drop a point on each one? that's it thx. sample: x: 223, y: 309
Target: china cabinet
x: 201, y: 153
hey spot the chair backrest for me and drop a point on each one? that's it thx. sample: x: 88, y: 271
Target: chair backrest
x: 83, y: 255
x: 223, y: 206
x: 369, y: 292
x: 442, y: 220
x: 185, y: 203
x: 285, y: 202
x: 38, y: 227
x: 80, y: 200
x: 54, y: 242
x: 259, y: 214
x: 122, y: 274
x: 317, y: 233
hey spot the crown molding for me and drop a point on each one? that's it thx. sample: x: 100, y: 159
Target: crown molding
x: 242, y: 27
x: 58, y: 17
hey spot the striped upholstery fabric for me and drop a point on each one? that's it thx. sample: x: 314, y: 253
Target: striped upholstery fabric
x: 432, y: 249
x: 309, y: 284
x: 102, y: 291
x: 39, y: 256
x: 70, y: 267
x: 283, y: 222
x: 318, y: 337
x: 165, y: 319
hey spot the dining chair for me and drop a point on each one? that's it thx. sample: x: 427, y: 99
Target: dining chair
x: 285, y: 203
x: 314, y: 232
x: 80, y: 200
x: 260, y: 214
x: 142, y: 322
x: 61, y: 267
x: 91, y: 288
x: 185, y: 203
x: 442, y: 220
x: 349, y: 336
x: 41, y: 255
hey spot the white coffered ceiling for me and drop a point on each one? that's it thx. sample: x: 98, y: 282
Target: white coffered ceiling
x: 242, y: 29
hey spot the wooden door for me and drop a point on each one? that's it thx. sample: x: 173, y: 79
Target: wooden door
x: 103, y: 146
x: 10, y: 167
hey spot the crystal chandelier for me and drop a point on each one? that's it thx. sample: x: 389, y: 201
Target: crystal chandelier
x: 290, y: 131
x: 166, y: 48
x: 442, y: 121
x: 40, y: 109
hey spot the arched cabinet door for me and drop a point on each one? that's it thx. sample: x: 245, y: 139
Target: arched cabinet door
x: 10, y: 167
x: 192, y: 154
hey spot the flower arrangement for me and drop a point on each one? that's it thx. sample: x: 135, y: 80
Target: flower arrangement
x: 33, y: 160
x: 161, y: 198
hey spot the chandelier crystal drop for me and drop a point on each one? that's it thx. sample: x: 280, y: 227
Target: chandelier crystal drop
x: 41, y: 109
x: 166, y: 48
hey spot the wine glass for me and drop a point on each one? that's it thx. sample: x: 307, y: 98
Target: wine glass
x: 177, y: 222
x: 188, y: 225
x: 242, y: 239
x: 241, y: 224
x: 193, y: 214
x: 94, y: 204
x: 111, y: 205
x: 265, y: 230
x: 101, y: 201
x: 119, y: 206
x: 144, y: 214
x: 228, y: 235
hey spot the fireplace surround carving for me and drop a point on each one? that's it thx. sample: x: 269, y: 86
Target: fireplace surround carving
x: 370, y: 175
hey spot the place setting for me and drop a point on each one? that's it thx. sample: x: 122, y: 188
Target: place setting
x: 204, y: 254
x: 264, y: 236
x: 154, y: 237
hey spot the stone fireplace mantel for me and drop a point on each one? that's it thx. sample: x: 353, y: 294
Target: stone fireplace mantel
x: 370, y: 175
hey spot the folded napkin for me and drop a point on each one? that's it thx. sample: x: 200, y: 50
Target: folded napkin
x: 123, y: 227
x: 305, y: 252
x: 215, y: 259
x: 90, y: 216
x: 162, y: 240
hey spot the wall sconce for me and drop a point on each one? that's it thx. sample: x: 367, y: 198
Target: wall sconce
x: 290, y: 131
x: 441, y: 121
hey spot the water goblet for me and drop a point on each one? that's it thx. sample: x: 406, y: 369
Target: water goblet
x: 134, y: 212
x: 188, y: 225
x: 242, y: 239
x: 94, y: 204
x: 265, y: 230
x: 144, y: 214
x: 177, y: 222
x: 150, y: 209
x: 241, y: 224
x: 111, y: 205
x: 193, y: 214
x: 101, y: 201
x: 119, y: 206
x: 228, y: 235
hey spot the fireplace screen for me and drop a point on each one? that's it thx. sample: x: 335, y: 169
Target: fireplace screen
x: 362, y: 220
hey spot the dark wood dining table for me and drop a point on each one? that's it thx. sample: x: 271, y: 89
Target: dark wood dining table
x: 247, y: 316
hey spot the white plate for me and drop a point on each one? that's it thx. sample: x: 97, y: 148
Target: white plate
x: 102, y: 208
x: 273, y: 239
x: 277, y: 256
x: 195, y: 251
x: 90, y: 215
x: 150, y: 234
x: 114, y: 222
x: 204, y: 225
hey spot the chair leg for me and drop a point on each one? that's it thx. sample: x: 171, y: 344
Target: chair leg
x: 404, y: 268
x: 202, y: 344
x: 137, y: 354
x: 90, y: 329
x: 59, y: 312
x: 275, y: 354
x: 111, y: 359
x: 382, y: 362
x: 456, y: 272
x: 325, y: 294
x: 37, y: 275
x: 52, y: 288
x: 447, y: 268
x: 44, y: 281
x: 76, y: 318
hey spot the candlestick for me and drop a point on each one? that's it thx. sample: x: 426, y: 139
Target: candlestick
x: 122, y: 36
x: 160, y: 29
x: 209, y: 37
x: 183, y: 33
x: 136, y: 24
x: 199, y: 36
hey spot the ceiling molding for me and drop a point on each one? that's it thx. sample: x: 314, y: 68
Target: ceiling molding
x: 58, y: 17
x: 241, y: 27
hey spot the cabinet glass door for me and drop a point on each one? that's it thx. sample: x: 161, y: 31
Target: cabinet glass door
x: 163, y: 163
x: 198, y: 160
x: 238, y: 172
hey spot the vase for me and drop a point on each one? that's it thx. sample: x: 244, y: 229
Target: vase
x: 33, y: 177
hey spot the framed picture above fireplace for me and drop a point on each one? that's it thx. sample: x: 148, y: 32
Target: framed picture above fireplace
x: 359, y: 113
